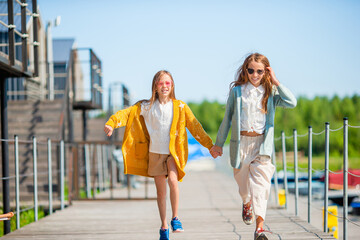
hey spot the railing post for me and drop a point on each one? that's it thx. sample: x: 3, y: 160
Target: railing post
x: 285, y: 168
x: 113, y: 171
x: 62, y: 174
x: 309, y: 173
x: 24, y: 37
x: 275, y: 178
x: 17, y: 186
x: 75, y: 173
x: 50, y: 176
x: 326, y: 181
x: 36, y: 37
x: 5, y: 151
x: 35, y: 179
x: 128, y: 179
x: 99, y: 165
x: 70, y: 161
x: 296, y: 174
x: 87, y: 171
x: 94, y: 170
x: 345, y: 172
x: 11, y: 33
x: 105, y: 166
x: 146, y: 188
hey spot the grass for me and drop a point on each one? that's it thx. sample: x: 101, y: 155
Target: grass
x: 318, y: 163
x: 82, y: 193
x: 26, y: 217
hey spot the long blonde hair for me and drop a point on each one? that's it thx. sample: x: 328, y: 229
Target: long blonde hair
x: 156, y: 79
x: 241, y: 76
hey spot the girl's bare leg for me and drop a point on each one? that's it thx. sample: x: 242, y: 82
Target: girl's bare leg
x: 173, y: 184
x: 259, y: 222
x: 160, y: 183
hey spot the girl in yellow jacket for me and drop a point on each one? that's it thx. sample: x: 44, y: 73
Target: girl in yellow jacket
x: 155, y: 142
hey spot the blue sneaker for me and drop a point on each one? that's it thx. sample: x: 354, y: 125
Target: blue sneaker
x: 164, y: 234
x: 176, y: 225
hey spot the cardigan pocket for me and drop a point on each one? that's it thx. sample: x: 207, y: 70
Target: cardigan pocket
x: 141, y: 150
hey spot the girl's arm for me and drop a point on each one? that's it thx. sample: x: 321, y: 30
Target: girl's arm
x: 119, y: 119
x: 196, y: 129
x: 283, y: 97
x: 226, y: 122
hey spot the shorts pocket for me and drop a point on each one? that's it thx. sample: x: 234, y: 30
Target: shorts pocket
x: 141, y: 150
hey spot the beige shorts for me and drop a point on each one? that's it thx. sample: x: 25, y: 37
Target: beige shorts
x: 158, y: 164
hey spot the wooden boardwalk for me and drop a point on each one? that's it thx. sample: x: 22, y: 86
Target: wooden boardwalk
x: 210, y: 208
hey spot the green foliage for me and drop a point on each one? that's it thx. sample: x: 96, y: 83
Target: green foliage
x: 318, y: 163
x: 26, y: 217
x: 102, y: 114
x: 309, y: 112
x: 210, y: 114
x: 82, y: 193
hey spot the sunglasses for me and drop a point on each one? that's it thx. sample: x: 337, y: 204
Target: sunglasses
x: 259, y: 71
x: 167, y: 83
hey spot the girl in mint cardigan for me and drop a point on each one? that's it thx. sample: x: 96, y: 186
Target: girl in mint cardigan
x: 250, y: 110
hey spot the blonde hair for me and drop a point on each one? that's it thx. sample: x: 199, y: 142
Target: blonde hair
x: 241, y: 76
x: 156, y: 79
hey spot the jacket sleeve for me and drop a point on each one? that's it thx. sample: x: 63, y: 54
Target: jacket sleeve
x: 196, y: 128
x: 226, y: 122
x: 119, y: 119
x: 284, y: 97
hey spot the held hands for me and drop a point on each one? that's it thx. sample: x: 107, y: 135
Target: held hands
x: 273, y: 77
x: 216, y: 151
x: 108, y: 130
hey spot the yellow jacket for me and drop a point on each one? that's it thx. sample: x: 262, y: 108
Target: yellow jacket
x: 136, y: 140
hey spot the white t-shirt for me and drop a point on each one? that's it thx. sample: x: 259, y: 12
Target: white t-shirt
x: 252, y: 118
x: 158, y: 121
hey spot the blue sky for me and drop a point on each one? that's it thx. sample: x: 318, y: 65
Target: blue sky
x: 313, y: 46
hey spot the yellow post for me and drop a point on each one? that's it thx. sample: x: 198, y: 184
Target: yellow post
x: 332, y: 221
x: 282, y: 199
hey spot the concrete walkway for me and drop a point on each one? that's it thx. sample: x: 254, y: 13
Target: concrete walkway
x: 210, y: 208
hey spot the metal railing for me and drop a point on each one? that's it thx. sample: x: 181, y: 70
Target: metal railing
x: 310, y: 170
x: 35, y: 174
x: 99, y: 169
x: 93, y: 171
x: 10, y: 48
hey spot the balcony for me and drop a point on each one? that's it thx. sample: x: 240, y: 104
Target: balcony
x: 19, y: 39
x: 87, y: 89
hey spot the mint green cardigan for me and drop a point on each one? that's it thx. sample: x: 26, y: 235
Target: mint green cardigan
x: 281, y: 96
